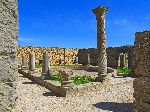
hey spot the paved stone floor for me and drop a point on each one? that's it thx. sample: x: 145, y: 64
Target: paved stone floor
x: 34, y: 98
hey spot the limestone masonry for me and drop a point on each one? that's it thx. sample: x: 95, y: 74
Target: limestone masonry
x: 67, y: 56
x: 142, y: 72
x: 8, y: 57
x: 70, y: 54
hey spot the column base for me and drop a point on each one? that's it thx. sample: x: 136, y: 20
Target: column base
x: 24, y: 68
x: 31, y: 72
x: 100, y: 78
x: 46, y: 76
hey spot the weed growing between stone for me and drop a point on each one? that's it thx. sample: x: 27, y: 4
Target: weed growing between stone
x: 124, y: 70
x: 57, y: 77
x: 82, y: 79
x: 38, y: 65
x: 77, y: 80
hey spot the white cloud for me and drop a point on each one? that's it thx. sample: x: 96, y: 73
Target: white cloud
x: 28, y: 40
x: 39, y: 41
x: 121, y: 22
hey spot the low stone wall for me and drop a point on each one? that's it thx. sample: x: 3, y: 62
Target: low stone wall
x: 45, y: 83
x: 63, y: 91
x: 112, y: 55
x: 114, y: 52
x: 142, y: 72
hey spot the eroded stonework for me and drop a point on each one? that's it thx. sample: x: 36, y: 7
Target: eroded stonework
x: 142, y: 72
x: 70, y: 55
x: 8, y: 57
x: 101, y: 42
x: 66, y: 55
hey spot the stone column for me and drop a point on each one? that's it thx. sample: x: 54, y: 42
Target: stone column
x: 24, y: 62
x: 64, y: 56
x: 88, y: 59
x: 32, y: 61
x: 101, y: 42
x: 130, y: 58
x: 19, y: 62
x: 118, y: 61
x: 77, y: 60
x: 122, y: 60
x: 45, y: 63
x: 60, y: 60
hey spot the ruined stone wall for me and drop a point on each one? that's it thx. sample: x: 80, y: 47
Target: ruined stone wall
x: 114, y: 52
x: 8, y: 60
x: 67, y: 56
x: 142, y: 72
x: 83, y: 56
x: 112, y: 55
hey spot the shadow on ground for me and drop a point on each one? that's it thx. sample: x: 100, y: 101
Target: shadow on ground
x: 91, y: 71
x: 114, y: 107
x: 23, y: 76
x: 29, y: 83
x: 51, y: 94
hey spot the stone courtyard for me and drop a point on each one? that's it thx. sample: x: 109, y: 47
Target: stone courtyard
x: 34, y: 98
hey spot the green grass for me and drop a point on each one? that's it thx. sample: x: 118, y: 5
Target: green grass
x: 87, y: 65
x: 56, y: 77
x: 82, y: 79
x: 124, y: 70
x: 38, y: 65
x: 77, y: 80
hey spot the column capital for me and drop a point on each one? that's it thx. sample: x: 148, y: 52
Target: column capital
x: 100, y: 10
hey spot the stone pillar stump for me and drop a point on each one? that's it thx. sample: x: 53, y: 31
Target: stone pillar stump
x: 77, y: 60
x: 88, y: 59
x: 122, y: 60
x: 24, y: 62
x: 45, y: 63
x: 130, y: 58
x: 32, y: 61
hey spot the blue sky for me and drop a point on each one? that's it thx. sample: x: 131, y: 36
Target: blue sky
x: 71, y: 23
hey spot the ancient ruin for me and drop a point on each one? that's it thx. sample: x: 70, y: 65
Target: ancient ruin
x: 74, y: 74
x: 72, y: 54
